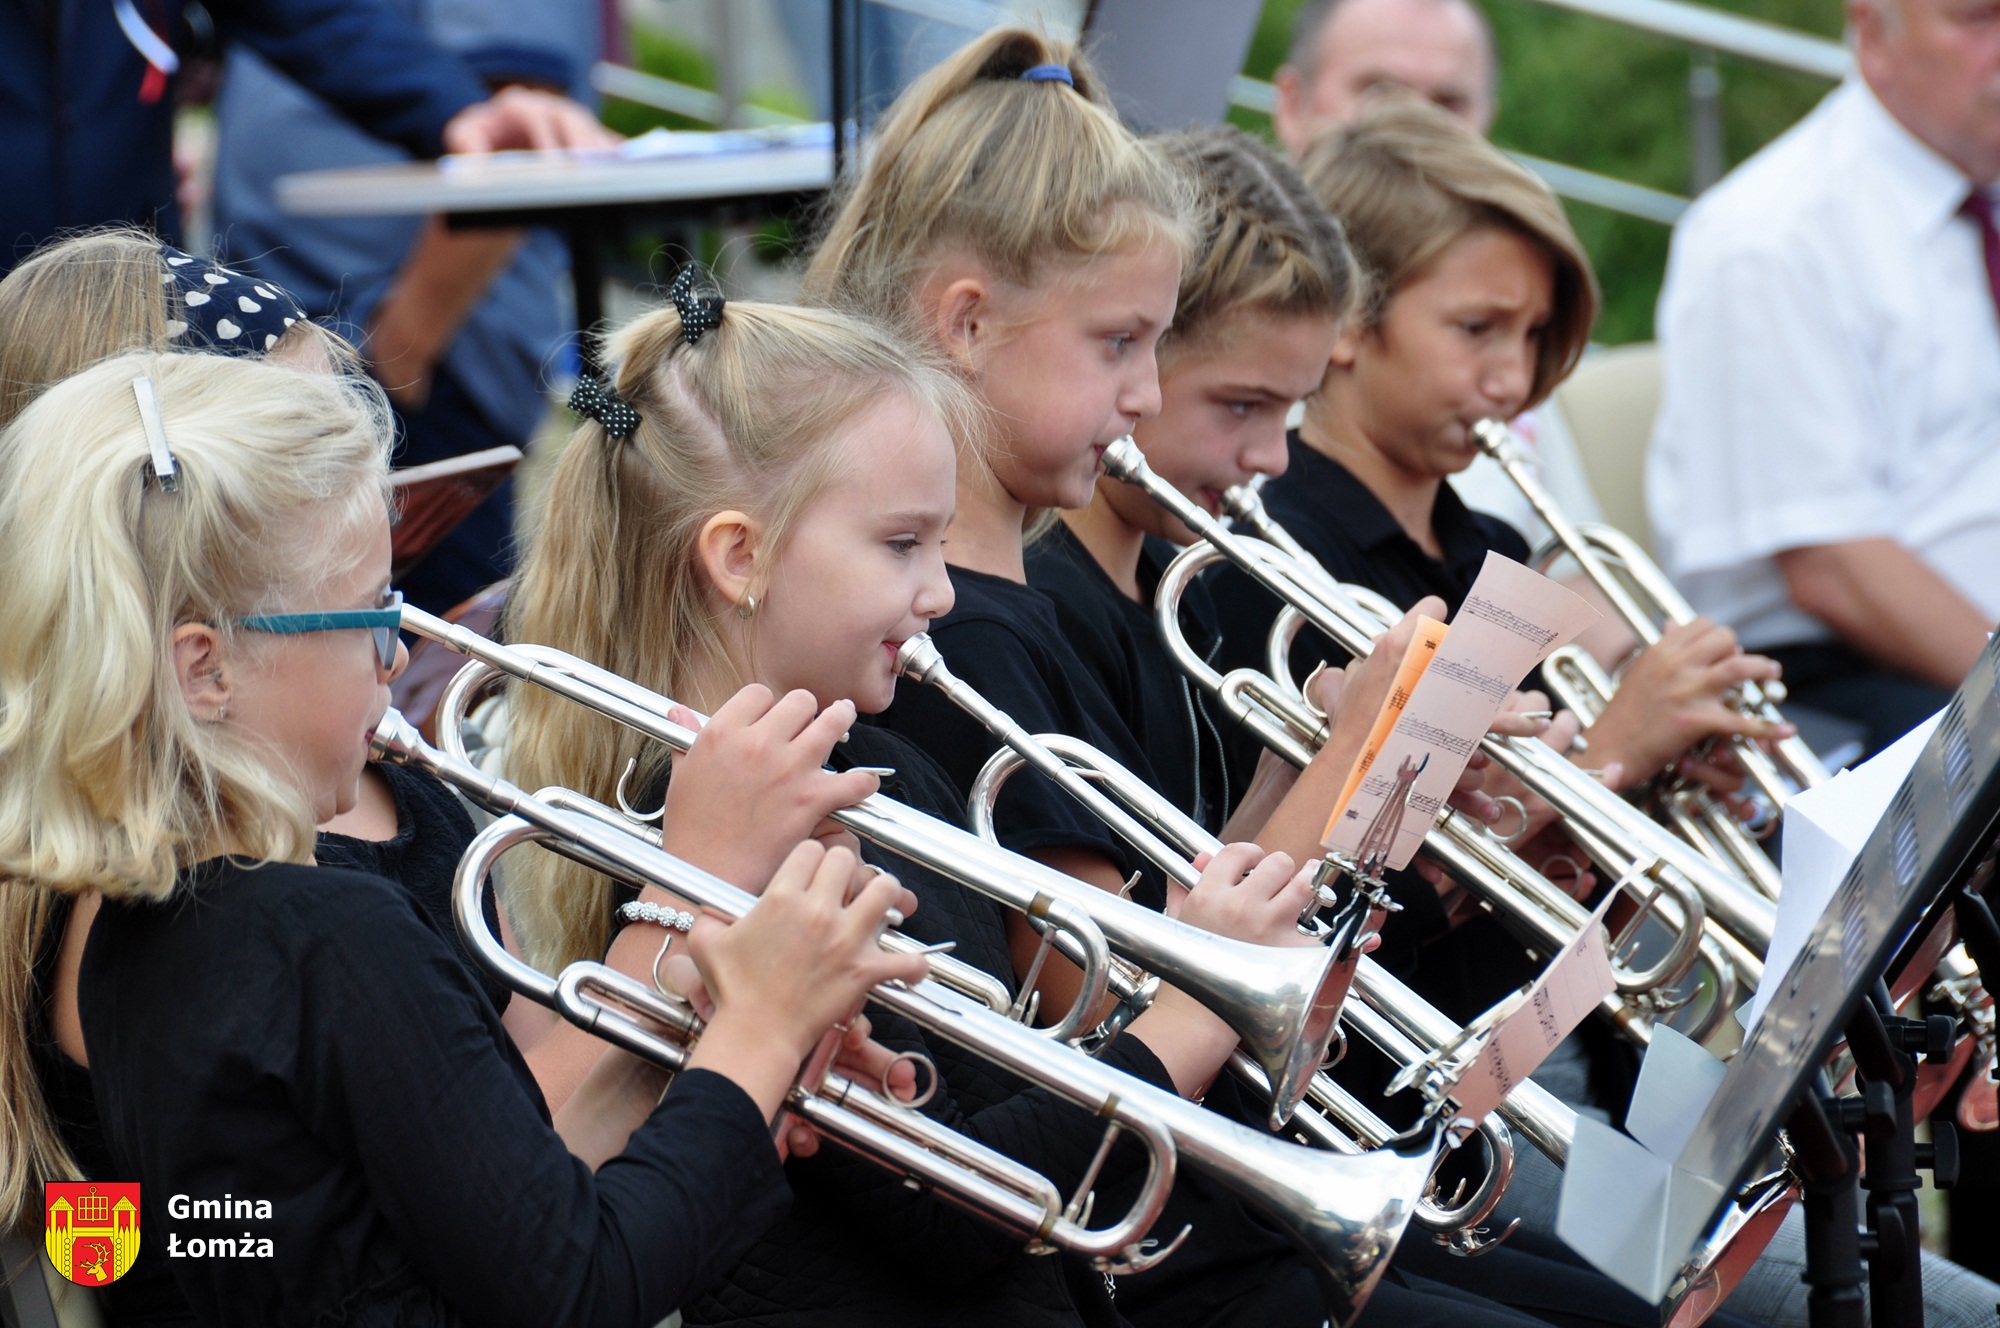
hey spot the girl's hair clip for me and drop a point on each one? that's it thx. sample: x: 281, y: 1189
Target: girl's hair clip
x: 1048, y: 74
x: 164, y: 468
x: 698, y: 300
x: 598, y: 400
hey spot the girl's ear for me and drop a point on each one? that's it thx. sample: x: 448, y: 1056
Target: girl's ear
x: 727, y: 547
x: 958, y: 309
x: 1347, y: 346
x: 198, y: 669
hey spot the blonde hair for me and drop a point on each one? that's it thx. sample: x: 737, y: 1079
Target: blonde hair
x: 741, y: 419
x: 86, y: 298
x: 1408, y: 181
x: 1021, y: 174
x: 107, y: 781
x: 1267, y: 245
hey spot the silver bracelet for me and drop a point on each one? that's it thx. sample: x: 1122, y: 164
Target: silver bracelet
x: 644, y: 910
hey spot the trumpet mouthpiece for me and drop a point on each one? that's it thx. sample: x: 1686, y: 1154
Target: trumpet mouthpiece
x: 394, y: 738
x: 919, y: 660
x: 1123, y: 460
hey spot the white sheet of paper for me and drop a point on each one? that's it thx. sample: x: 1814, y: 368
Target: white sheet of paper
x: 1563, y: 997
x: 1510, y: 621
x: 1824, y: 828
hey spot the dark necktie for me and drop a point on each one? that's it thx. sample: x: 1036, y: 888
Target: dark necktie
x: 1980, y: 208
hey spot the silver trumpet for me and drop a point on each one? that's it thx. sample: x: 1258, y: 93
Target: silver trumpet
x: 1345, y: 1213
x: 1401, y: 1024
x: 1622, y: 840
x: 1734, y: 951
x: 1544, y: 915
x: 1581, y: 684
x: 1277, y: 999
x: 1643, y: 596
x: 1635, y: 576
x: 1422, y: 1040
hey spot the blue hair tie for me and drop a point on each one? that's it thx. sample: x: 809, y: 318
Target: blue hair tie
x: 1048, y: 74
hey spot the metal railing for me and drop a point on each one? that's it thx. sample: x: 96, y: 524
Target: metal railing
x: 1584, y: 186
x: 1709, y: 31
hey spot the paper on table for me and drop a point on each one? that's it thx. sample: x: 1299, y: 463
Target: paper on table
x: 1569, y: 989
x: 1824, y: 828
x: 1423, y: 648
x: 1510, y: 621
x: 653, y: 145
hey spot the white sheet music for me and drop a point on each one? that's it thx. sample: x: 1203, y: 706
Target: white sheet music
x: 1563, y: 997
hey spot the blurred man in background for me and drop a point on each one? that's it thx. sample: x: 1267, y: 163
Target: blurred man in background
x: 462, y: 327
x: 1825, y: 470
x: 1343, y: 49
x: 87, y: 100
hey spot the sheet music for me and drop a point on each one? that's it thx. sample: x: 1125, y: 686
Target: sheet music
x: 1510, y: 621
x: 1825, y: 828
x: 1563, y: 997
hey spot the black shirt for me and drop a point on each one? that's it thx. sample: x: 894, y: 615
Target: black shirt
x: 301, y: 1035
x: 433, y: 829
x: 1004, y: 640
x: 432, y: 832
x: 1118, y: 639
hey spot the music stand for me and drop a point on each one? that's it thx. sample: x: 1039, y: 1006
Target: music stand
x: 1636, y: 1212
x: 1170, y: 63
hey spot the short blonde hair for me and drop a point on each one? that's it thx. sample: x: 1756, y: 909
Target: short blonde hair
x: 82, y: 299
x: 742, y: 419
x: 1021, y: 174
x: 1266, y: 244
x: 1408, y: 181
x: 107, y: 781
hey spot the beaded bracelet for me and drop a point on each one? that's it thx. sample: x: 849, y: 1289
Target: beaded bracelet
x: 644, y: 910
x: 673, y: 919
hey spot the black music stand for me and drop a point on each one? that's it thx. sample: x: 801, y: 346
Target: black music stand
x: 1934, y: 835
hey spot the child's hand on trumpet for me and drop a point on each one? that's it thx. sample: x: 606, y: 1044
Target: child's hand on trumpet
x: 754, y: 784
x: 799, y: 963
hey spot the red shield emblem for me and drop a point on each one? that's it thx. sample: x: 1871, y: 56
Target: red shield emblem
x: 91, y: 1229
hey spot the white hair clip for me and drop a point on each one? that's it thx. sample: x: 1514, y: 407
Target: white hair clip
x: 156, y: 434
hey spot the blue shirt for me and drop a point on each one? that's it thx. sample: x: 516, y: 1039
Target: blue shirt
x: 82, y: 149
x: 339, y: 267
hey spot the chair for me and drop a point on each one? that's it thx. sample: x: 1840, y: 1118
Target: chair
x: 34, y: 1295
x: 1609, y: 404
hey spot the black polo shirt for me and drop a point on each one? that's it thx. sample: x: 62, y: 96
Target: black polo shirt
x: 1344, y: 525
x: 1179, y: 725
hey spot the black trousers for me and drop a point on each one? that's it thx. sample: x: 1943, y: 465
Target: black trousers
x: 1841, y: 681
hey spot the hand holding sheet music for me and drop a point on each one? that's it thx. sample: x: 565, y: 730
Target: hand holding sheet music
x: 1510, y: 622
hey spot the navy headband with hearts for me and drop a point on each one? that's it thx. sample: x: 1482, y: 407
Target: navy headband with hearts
x: 224, y: 310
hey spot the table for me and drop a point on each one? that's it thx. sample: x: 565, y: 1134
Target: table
x: 584, y: 196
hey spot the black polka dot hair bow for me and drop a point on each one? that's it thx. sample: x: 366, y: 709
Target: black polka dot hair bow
x: 698, y: 300
x: 598, y: 400
x: 224, y: 310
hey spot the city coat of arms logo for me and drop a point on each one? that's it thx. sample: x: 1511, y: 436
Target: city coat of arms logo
x: 91, y: 1229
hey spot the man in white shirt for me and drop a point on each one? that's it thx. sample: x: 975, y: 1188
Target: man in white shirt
x: 1825, y: 471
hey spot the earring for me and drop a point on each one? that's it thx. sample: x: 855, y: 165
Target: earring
x: 221, y: 713
x: 747, y: 607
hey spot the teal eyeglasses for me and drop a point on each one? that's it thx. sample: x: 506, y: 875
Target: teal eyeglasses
x: 382, y: 622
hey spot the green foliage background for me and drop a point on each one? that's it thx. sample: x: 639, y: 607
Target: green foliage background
x: 1590, y: 93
